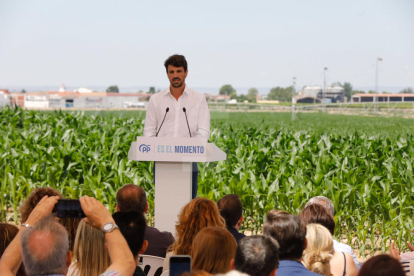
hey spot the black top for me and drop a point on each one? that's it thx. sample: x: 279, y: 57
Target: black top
x: 158, y: 242
x: 138, y: 272
x: 237, y: 236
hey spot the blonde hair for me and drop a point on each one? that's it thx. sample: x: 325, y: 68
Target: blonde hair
x: 213, y: 249
x: 90, y: 254
x: 319, y: 252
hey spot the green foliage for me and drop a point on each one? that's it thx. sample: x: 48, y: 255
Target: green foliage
x: 281, y: 94
x: 227, y: 89
x: 233, y: 95
x: 407, y: 90
x: 273, y: 163
x: 113, y: 89
x: 252, y: 94
x: 151, y: 90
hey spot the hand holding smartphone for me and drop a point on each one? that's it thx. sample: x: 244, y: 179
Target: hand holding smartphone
x: 68, y: 208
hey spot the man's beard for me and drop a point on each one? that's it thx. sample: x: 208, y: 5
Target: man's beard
x: 176, y: 85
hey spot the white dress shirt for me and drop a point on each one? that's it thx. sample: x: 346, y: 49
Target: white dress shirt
x: 175, y: 124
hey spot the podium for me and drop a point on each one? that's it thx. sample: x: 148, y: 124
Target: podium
x: 173, y: 171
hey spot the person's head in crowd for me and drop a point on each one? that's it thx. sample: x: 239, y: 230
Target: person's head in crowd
x: 196, y: 273
x: 319, y: 252
x: 71, y: 224
x: 382, y: 265
x: 132, y: 226
x: 89, y: 253
x: 316, y: 213
x: 7, y: 234
x: 198, y: 214
x: 231, y: 209
x: 33, y: 199
x: 289, y: 231
x: 45, y: 248
x: 131, y: 198
x: 257, y: 256
x: 213, y: 249
x: 324, y: 201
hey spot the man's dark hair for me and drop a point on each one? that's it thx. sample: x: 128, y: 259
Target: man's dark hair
x: 176, y: 61
x: 231, y: 209
x: 132, y: 226
x: 316, y: 213
x: 289, y: 231
x: 257, y: 255
x: 131, y: 198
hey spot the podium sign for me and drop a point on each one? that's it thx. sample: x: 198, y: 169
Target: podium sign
x: 173, y: 171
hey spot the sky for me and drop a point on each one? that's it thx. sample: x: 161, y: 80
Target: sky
x: 263, y: 44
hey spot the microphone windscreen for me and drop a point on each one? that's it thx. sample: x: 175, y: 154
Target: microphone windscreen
x: 168, y: 109
x: 184, y: 109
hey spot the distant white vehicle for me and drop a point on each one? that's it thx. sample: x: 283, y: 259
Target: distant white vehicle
x: 234, y: 101
x: 133, y: 104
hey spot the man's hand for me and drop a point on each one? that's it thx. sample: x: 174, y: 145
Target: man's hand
x: 410, y: 246
x: 96, y: 214
x: 43, y: 208
x: 394, y: 252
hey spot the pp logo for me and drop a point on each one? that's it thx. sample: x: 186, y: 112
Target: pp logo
x: 144, y: 148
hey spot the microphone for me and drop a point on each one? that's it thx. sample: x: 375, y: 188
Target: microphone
x: 166, y: 111
x: 187, y: 121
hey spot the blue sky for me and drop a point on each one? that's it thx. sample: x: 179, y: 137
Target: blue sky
x: 243, y: 43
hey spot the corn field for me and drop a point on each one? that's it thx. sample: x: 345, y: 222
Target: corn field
x: 369, y: 178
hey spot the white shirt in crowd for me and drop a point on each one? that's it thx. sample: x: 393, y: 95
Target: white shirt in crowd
x: 341, y: 247
x: 175, y: 124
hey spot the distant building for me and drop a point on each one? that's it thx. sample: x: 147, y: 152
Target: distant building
x: 334, y: 93
x: 386, y: 97
x: 217, y: 98
x: 4, y: 97
x: 83, y: 90
x: 62, y: 88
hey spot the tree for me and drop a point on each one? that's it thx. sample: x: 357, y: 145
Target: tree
x: 227, y: 89
x: 113, y: 89
x: 252, y: 94
x: 242, y: 98
x: 151, y: 90
x: 23, y: 91
x: 407, y: 90
x: 371, y: 92
x: 233, y: 95
x: 280, y: 94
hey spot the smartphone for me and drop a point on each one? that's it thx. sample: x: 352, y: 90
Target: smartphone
x: 180, y: 264
x: 68, y: 208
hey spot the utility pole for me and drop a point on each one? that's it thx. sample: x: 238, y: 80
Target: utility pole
x: 324, y: 87
x: 293, y: 93
x: 376, y: 86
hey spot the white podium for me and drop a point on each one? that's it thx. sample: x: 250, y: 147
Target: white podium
x: 173, y: 171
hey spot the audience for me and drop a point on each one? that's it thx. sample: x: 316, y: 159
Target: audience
x: 71, y: 224
x: 382, y: 265
x: 290, y: 232
x: 132, y: 226
x: 339, y: 247
x: 43, y: 244
x: 7, y: 234
x: 196, y: 215
x: 89, y: 253
x: 257, y: 256
x: 341, y: 261
x: 231, y: 209
x: 132, y: 198
x: 213, y: 249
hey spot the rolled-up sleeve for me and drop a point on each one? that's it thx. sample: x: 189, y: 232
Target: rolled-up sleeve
x: 150, y: 128
x: 203, y: 125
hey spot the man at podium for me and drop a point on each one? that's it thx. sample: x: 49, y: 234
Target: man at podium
x: 178, y: 111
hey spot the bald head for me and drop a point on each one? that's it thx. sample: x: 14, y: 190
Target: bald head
x: 45, y: 248
x: 131, y: 198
